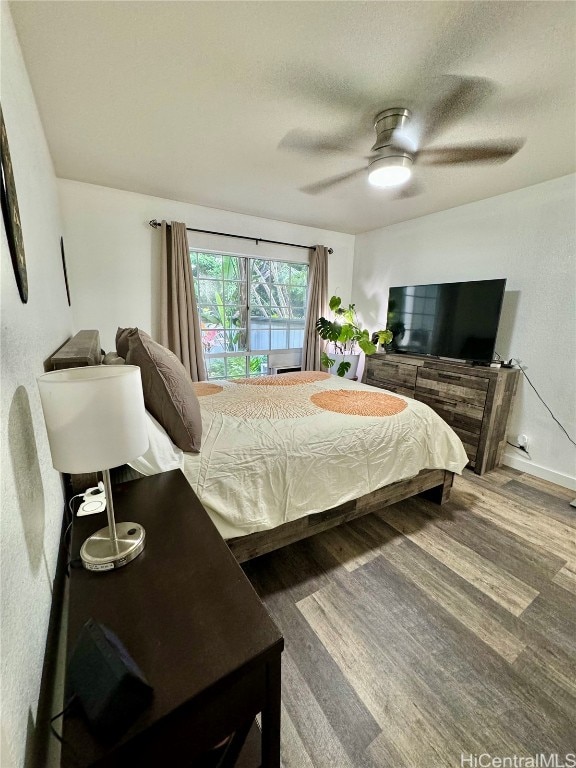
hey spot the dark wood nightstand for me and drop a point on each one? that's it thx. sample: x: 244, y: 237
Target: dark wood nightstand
x: 192, y: 622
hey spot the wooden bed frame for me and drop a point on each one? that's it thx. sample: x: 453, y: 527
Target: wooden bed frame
x: 434, y: 484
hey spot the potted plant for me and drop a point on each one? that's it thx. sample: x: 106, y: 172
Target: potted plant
x: 345, y: 335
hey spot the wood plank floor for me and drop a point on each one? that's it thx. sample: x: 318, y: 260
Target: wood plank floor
x: 421, y: 633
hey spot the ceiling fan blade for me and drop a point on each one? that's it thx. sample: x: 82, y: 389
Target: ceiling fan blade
x: 464, y: 95
x: 322, y: 186
x: 475, y: 153
x: 410, y: 189
x: 322, y: 86
x: 305, y: 141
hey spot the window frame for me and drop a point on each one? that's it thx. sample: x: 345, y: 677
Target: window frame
x: 250, y: 353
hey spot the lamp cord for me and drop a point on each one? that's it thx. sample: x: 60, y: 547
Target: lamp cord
x: 71, y: 701
x: 70, y: 508
x: 65, y: 540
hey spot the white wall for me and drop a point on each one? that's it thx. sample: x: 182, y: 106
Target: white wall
x: 527, y: 236
x: 31, y: 493
x: 113, y: 256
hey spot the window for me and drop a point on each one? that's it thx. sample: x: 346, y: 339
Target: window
x: 248, y: 308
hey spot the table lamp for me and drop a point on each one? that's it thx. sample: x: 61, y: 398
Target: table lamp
x: 96, y: 420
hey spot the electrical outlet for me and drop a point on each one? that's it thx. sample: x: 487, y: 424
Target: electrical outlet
x: 523, y: 441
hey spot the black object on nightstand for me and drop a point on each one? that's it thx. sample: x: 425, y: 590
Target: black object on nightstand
x: 192, y: 622
x: 105, y: 681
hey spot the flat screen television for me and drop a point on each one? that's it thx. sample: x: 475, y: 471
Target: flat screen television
x: 454, y: 320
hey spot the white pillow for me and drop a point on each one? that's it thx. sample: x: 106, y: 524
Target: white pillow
x: 162, y: 455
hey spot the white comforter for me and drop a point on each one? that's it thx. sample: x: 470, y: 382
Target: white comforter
x: 270, y: 455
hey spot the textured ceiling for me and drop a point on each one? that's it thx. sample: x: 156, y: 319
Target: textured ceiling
x: 190, y: 100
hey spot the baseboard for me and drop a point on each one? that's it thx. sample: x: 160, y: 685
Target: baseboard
x: 516, y: 462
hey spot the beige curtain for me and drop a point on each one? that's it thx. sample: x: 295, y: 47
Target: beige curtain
x: 179, y: 322
x: 317, y: 307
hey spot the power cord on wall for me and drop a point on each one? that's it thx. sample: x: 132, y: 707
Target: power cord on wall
x: 521, y: 447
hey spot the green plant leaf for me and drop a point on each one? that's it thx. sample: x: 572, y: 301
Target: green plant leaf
x: 343, y: 368
x: 220, y: 310
x: 326, y: 361
x: 347, y: 333
x: 366, y: 346
x: 328, y: 330
x: 384, y: 337
x: 335, y: 302
x: 349, y: 314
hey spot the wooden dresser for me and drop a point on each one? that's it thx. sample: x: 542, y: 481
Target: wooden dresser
x: 475, y: 400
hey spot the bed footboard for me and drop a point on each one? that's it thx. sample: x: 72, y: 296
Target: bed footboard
x: 433, y: 484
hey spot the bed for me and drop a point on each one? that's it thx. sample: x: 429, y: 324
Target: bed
x: 284, y: 457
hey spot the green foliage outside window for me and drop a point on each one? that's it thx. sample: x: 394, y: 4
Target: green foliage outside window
x: 247, y: 304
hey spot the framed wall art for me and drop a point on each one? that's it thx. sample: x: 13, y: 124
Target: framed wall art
x: 65, y: 271
x: 11, y: 215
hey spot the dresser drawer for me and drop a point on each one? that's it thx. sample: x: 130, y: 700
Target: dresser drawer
x: 458, y: 414
x: 391, y: 387
x: 452, y: 388
x: 465, y: 420
x: 397, y: 377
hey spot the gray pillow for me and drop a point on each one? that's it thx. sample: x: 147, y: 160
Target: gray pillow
x: 122, y: 335
x: 168, y: 391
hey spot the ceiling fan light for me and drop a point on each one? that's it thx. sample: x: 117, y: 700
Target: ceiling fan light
x: 390, y: 171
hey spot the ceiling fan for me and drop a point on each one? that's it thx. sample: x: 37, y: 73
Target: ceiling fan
x: 402, y: 142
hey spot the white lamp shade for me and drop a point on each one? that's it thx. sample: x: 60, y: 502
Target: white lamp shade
x: 95, y: 416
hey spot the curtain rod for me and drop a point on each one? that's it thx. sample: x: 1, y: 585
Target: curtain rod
x: 155, y: 224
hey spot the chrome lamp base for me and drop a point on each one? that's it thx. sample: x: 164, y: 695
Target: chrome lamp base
x: 104, y: 552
